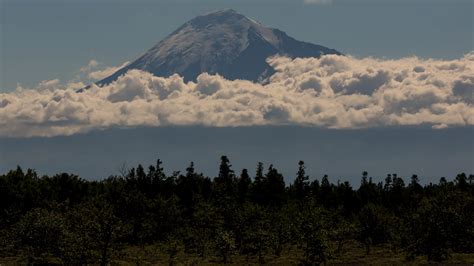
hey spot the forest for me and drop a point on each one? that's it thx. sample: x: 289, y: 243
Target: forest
x: 143, y: 216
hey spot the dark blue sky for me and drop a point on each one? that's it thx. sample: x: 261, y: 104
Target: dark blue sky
x: 342, y: 154
x: 47, y: 39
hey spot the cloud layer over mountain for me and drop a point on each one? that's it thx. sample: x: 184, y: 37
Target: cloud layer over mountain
x: 332, y: 91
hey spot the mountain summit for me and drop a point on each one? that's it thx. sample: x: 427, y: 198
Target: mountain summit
x: 223, y: 42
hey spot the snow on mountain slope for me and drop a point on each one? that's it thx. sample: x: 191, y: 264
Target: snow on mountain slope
x: 225, y: 43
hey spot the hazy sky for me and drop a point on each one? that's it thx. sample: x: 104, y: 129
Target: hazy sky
x: 48, y: 39
x: 409, y: 115
x: 342, y: 154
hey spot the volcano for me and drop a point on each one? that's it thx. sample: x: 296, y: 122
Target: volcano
x: 223, y: 42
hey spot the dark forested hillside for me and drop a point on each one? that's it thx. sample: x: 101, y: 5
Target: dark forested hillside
x: 246, y: 217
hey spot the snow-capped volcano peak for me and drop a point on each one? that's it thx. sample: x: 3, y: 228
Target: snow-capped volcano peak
x: 223, y: 42
x: 211, y: 40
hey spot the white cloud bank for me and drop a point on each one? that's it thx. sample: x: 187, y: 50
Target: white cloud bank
x: 332, y: 92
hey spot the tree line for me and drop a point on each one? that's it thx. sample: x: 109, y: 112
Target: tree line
x: 65, y: 219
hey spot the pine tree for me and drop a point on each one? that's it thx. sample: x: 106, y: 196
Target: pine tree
x: 301, y: 184
x: 225, y: 171
x: 244, y: 185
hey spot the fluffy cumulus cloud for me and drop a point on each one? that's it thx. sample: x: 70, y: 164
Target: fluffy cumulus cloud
x: 93, y: 71
x: 331, y: 91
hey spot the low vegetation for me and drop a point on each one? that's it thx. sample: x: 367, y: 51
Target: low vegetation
x: 146, y: 217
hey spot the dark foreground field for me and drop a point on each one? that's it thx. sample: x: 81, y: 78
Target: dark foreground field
x: 353, y: 254
x: 144, y: 216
